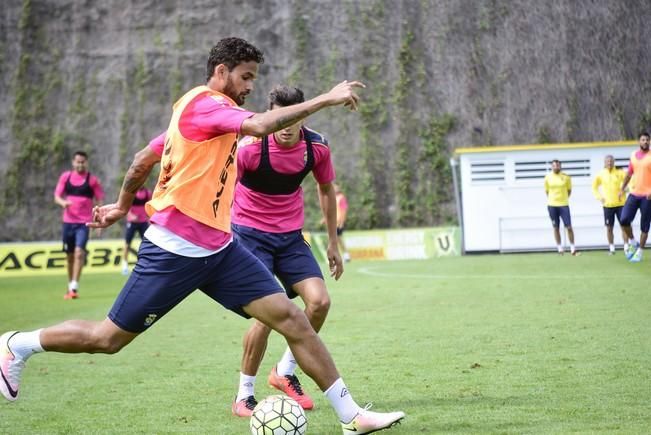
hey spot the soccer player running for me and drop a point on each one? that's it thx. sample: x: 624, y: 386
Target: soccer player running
x: 558, y: 187
x: 610, y: 180
x: 137, y: 222
x: 267, y: 218
x: 77, y: 191
x: 639, y: 197
x: 188, y: 244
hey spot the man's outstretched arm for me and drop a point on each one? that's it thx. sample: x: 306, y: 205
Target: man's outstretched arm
x: 136, y: 176
x: 265, y: 123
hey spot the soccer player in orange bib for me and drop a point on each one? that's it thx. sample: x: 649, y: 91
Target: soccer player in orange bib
x: 639, y: 197
x: 188, y: 244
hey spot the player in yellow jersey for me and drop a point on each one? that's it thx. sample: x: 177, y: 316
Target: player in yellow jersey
x: 606, y: 188
x: 558, y: 187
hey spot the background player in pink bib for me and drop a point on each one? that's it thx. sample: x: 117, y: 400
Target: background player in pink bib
x: 137, y: 222
x: 77, y: 192
x: 268, y: 218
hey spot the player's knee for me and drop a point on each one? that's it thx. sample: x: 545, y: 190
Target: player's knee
x: 319, y: 306
x: 105, y: 343
x: 109, y: 345
x: 295, y: 323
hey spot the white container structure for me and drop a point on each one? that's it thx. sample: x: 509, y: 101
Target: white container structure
x: 503, y: 206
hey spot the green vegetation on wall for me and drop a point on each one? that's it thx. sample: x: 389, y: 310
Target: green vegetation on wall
x: 371, y: 183
x: 422, y: 174
x: 301, y: 35
x: 434, y: 190
x: 405, y: 180
x: 38, y: 146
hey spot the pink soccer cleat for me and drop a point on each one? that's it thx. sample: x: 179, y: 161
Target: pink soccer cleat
x: 244, y: 407
x: 70, y: 294
x: 10, y: 368
x: 290, y: 385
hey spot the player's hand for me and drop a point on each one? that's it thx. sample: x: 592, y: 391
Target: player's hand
x: 106, y: 216
x: 66, y: 204
x: 335, y: 263
x: 344, y: 93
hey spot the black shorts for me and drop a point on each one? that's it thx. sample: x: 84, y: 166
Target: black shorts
x: 556, y: 214
x: 161, y: 280
x: 74, y: 236
x: 286, y: 255
x: 133, y: 228
x: 610, y: 213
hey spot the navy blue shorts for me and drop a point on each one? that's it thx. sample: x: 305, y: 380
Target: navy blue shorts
x: 161, y: 280
x: 562, y: 212
x: 133, y: 228
x: 632, y: 205
x: 286, y: 255
x: 610, y: 213
x: 74, y: 235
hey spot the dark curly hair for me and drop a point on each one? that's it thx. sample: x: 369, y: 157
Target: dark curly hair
x: 283, y: 96
x: 232, y: 52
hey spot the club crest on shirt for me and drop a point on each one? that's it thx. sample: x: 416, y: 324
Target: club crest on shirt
x: 246, y: 140
x: 218, y: 99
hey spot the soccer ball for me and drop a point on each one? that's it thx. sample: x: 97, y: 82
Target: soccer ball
x: 278, y: 415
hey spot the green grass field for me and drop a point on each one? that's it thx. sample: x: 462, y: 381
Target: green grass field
x: 518, y: 344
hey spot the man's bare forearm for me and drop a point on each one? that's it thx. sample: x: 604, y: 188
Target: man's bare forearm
x: 627, y: 178
x: 265, y: 123
x: 291, y: 119
x: 136, y: 176
x: 328, y: 203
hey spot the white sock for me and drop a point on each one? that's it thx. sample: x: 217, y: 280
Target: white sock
x: 342, y: 402
x: 612, y: 248
x: 73, y: 285
x: 287, y: 364
x: 560, y: 248
x: 124, y: 264
x: 247, y: 387
x: 26, y: 344
x: 625, y: 246
x: 572, y: 248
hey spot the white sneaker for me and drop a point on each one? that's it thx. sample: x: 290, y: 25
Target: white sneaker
x: 125, y: 268
x: 10, y: 368
x: 346, y: 257
x: 368, y: 421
